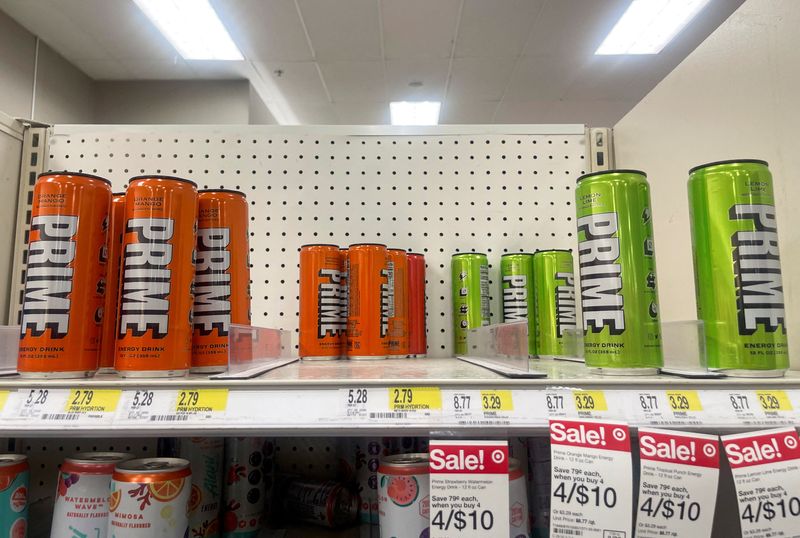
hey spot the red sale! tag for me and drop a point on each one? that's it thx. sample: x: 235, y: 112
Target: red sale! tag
x: 469, y: 489
x: 679, y: 473
x: 766, y: 472
x: 591, y: 479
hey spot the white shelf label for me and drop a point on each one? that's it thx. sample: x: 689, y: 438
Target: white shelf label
x: 486, y: 407
x: 164, y: 407
x: 469, y: 489
x: 752, y: 407
x: 766, y: 472
x: 678, y: 483
x: 668, y: 407
x: 591, y: 481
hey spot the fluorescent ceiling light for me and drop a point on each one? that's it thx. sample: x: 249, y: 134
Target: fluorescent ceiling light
x: 193, y: 28
x: 415, y: 112
x: 648, y: 25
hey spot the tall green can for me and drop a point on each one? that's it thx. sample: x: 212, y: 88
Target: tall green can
x: 737, y: 267
x: 470, y: 281
x: 619, y: 300
x: 516, y: 292
x: 554, y: 303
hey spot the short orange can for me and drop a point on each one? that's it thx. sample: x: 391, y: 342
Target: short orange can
x: 65, y: 277
x: 154, y: 325
x: 398, y: 302
x: 322, y: 321
x: 114, y: 246
x: 368, y: 302
x: 222, y: 276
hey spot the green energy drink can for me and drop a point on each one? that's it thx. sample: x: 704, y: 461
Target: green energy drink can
x: 516, y: 292
x: 470, y: 280
x: 619, y: 300
x: 554, y: 309
x: 737, y: 267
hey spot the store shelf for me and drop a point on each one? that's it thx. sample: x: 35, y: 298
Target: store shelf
x: 364, y: 398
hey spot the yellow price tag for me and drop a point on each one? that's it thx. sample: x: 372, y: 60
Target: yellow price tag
x: 3, y: 398
x: 590, y: 400
x: 201, y: 400
x: 684, y: 400
x: 92, y: 400
x: 414, y: 398
x: 497, y: 400
x: 774, y: 400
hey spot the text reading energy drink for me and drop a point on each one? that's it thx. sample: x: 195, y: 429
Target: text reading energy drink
x: 398, y: 302
x: 619, y: 300
x: 554, y: 302
x: 469, y: 274
x: 737, y: 266
x: 154, y: 334
x: 368, y: 300
x: 65, y: 278
x: 516, y: 287
x: 322, y: 322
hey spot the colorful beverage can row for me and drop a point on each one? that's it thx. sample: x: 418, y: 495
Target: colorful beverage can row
x: 14, y: 488
x: 154, y: 336
x: 469, y: 274
x: 516, y: 292
x: 221, y: 278
x: 737, y: 266
x: 404, y: 495
x: 327, y: 504
x: 84, y: 486
x: 554, y: 307
x: 323, y: 323
x: 65, y: 277
x: 150, y: 497
x: 417, y: 337
x: 368, y: 302
x: 109, y: 329
x: 397, y: 261
x: 247, y: 482
x: 619, y: 299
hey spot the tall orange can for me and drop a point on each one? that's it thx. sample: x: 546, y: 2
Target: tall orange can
x: 344, y: 305
x: 417, y: 337
x: 368, y: 302
x: 65, y: 278
x: 154, y: 325
x: 221, y: 277
x: 322, y: 321
x: 398, y: 302
x: 114, y: 247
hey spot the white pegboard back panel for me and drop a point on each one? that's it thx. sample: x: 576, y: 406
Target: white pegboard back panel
x: 435, y: 190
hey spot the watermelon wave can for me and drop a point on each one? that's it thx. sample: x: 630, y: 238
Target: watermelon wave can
x: 554, y: 307
x: 14, y: 487
x: 516, y: 292
x: 619, y: 300
x: 737, y: 267
x: 469, y: 274
x: 404, y: 495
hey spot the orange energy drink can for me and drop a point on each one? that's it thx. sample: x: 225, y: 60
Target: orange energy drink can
x: 322, y: 321
x: 417, y: 337
x: 398, y: 302
x: 221, y: 277
x: 115, y: 230
x: 345, y: 304
x: 154, y: 325
x: 65, y: 279
x: 368, y: 302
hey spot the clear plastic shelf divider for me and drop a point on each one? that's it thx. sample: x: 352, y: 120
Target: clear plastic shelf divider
x: 684, y: 347
x: 255, y: 350
x: 9, y: 349
x: 502, y: 348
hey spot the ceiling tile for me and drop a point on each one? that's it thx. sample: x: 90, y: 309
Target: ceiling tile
x: 353, y: 82
x: 495, y: 29
x: 363, y: 113
x: 343, y: 29
x: 432, y: 74
x: 479, y: 79
x: 467, y: 111
x: 266, y: 30
x: 419, y: 28
x: 538, y: 78
x: 298, y: 81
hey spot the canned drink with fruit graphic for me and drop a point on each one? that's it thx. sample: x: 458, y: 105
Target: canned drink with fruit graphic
x: 247, y: 483
x: 404, y: 495
x: 14, y: 484
x: 84, y: 484
x: 369, y: 451
x: 150, y: 497
x: 518, y: 517
x: 327, y: 504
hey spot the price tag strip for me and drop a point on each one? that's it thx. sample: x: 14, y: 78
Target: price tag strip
x: 487, y: 407
x: 62, y: 408
x: 591, y: 479
x: 678, y: 484
x: 668, y: 408
x: 393, y: 405
x: 184, y: 406
x: 469, y: 489
x: 766, y: 472
x: 754, y: 407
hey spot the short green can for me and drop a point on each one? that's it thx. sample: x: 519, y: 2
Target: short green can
x: 554, y: 303
x: 616, y: 256
x: 470, y: 281
x: 737, y: 268
x: 516, y: 292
